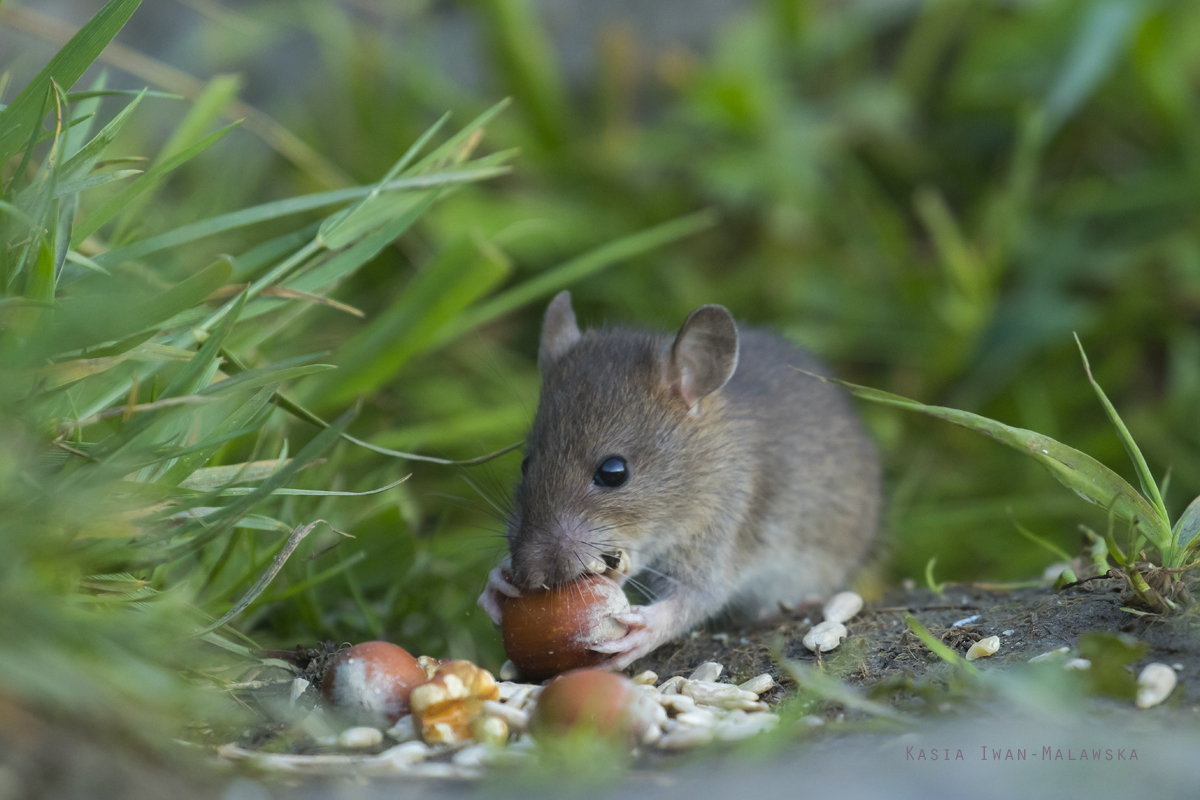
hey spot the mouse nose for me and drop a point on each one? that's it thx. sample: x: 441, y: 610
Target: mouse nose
x: 549, y: 555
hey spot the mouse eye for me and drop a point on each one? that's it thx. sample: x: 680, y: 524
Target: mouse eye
x: 525, y: 466
x: 612, y: 472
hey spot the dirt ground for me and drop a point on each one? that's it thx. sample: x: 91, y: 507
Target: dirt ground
x: 881, y: 650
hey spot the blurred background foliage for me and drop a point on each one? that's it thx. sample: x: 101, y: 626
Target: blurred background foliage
x: 930, y: 195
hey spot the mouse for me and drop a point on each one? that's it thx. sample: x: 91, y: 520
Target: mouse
x: 712, y: 469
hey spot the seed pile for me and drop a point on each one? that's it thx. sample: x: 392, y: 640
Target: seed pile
x: 678, y: 714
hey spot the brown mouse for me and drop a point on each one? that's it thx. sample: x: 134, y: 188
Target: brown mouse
x: 729, y: 479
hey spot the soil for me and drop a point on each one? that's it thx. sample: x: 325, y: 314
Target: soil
x: 881, y: 651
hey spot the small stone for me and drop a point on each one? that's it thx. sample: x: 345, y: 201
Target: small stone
x: 1078, y: 664
x: 758, y: 685
x: 708, y: 671
x: 842, y: 606
x: 646, y: 678
x: 1154, y: 684
x: 1006, y: 633
x: 984, y: 648
x: 360, y: 737
x: 1178, y: 667
x: 964, y: 621
x: 508, y: 671
x: 825, y: 636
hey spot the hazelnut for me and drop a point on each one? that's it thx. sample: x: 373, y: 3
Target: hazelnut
x: 449, y: 708
x: 597, y: 700
x: 549, y: 632
x: 370, y: 683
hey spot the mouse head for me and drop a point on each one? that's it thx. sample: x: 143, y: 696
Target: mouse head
x: 627, y: 434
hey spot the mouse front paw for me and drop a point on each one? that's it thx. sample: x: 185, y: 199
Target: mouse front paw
x: 646, y: 632
x: 499, y: 586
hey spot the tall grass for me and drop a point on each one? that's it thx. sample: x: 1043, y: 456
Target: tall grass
x: 170, y: 435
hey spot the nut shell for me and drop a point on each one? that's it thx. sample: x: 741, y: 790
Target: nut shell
x: 370, y: 683
x: 549, y: 632
x: 593, y: 699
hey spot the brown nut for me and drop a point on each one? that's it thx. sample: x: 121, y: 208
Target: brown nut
x: 597, y: 700
x: 549, y: 632
x: 448, y: 707
x: 370, y: 683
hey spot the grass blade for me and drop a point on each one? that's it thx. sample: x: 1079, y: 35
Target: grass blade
x: 1078, y: 471
x: 1145, y: 478
x: 148, y: 182
x: 555, y: 279
x: 23, y: 114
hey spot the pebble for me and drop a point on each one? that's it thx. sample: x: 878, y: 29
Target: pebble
x: 758, y: 685
x: 708, y: 671
x: 508, y: 671
x: 825, y: 636
x: 984, y: 648
x: 360, y: 737
x: 1155, y: 684
x: 842, y: 606
x: 965, y: 621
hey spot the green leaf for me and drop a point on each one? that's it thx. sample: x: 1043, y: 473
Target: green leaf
x: 1145, y: 478
x: 1099, y: 43
x: 92, y: 319
x: 1078, y: 471
x: 23, y: 114
x: 81, y: 164
x: 206, y: 479
x: 576, y: 269
x: 92, y: 181
x: 148, y: 182
x: 240, y: 491
x: 463, y: 271
x: 283, y: 208
x: 275, y: 374
x: 1188, y: 526
x: 1111, y: 654
x: 939, y: 648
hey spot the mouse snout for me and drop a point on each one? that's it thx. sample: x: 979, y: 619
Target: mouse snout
x: 556, y: 553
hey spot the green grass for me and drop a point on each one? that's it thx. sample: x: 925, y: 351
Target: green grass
x: 930, y: 196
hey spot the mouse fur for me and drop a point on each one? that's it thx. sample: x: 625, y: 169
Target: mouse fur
x: 749, y: 483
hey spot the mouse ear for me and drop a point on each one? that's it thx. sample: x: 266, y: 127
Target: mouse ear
x: 704, y: 355
x: 560, y: 331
